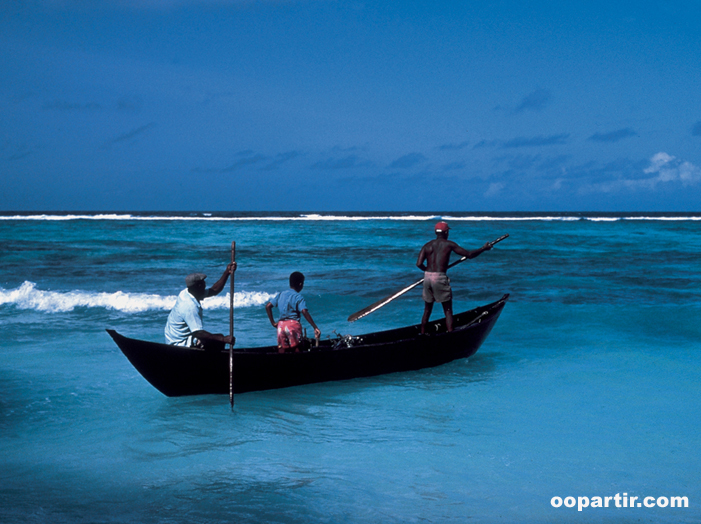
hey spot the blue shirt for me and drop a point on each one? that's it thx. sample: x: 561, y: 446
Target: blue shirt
x: 184, y: 319
x: 290, y: 303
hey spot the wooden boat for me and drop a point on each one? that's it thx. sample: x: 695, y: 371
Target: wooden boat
x: 177, y: 370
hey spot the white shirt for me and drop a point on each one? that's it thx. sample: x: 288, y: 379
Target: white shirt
x: 184, y: 319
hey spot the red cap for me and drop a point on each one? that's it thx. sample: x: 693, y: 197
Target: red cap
x: 442, y: 226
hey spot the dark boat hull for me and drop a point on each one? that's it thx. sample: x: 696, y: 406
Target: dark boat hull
x: 177, y: 371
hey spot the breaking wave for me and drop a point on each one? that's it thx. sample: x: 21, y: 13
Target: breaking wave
x: 27, y: 296
x: 316, y: 217
x: 208, y: 217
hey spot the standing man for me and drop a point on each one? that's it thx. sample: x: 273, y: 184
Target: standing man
x: 433, y: 260
x: 185, y: 325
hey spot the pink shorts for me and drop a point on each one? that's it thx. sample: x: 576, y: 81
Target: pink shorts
x: 289, y: 334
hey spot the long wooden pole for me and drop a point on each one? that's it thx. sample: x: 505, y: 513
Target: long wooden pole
x: 377, y: 305
x: 231, y: 329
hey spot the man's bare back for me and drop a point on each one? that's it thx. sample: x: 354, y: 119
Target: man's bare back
x: 435, y: 255
x: 435, y: 258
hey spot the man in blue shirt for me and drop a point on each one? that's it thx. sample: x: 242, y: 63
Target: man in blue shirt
x: 185, y: 325
x: 291, y: 305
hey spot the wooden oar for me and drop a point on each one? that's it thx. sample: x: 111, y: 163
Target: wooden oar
x: 231, y: 330
x: 377, y: 305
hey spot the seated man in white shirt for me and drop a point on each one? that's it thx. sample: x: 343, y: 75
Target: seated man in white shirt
x: 185, y: 325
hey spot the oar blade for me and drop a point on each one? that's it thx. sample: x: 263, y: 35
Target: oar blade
x: 364, y: 312
x: 377, y: 305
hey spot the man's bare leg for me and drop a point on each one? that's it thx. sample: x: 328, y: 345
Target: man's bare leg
x: 428, y: 307
x: 448, y: 310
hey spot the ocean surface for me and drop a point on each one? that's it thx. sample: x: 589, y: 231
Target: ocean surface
x: 588, y: 386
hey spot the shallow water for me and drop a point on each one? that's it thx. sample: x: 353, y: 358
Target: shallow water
x: 587, y: 386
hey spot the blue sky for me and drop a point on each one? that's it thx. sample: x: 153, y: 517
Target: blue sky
x: 331, y: 105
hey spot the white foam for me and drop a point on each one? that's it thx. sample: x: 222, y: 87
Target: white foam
x: 511, y: 219
x: 347, y: 218
x: 344, y: 218
x: 27, y: 296
x: 209, y: 218
x: 671, y: 218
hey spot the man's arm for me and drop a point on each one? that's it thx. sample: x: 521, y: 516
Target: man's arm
x: 269, y: 311
x: 219, y: 284
x: 471, y: 253
x: 420, y: 262
x: 206, y: 335
x: 307, y: 315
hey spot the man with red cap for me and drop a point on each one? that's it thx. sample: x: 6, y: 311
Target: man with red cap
x: 433, y: 261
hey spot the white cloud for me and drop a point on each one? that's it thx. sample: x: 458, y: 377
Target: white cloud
x: 664, y: 169
x: 557, y: 184
x: 494, y: 189
x: 667, y: 168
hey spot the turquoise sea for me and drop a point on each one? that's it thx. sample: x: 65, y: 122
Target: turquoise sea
x: 588, y: 386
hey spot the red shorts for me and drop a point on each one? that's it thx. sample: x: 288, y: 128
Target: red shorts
x: 289, y: 334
